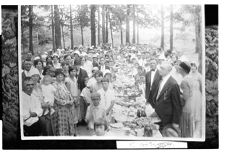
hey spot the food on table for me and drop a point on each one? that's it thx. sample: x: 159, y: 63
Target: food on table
x: 148, y: 131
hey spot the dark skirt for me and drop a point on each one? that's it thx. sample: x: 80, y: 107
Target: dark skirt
x: 33, y: 130
x: 83, y: 109
x: 46, y: 125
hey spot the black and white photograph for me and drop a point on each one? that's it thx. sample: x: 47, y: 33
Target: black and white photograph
x: 130, y: 72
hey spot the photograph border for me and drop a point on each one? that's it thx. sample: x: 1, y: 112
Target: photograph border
x: 116, y: 138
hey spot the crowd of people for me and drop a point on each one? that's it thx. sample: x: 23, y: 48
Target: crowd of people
x: 69, y: 88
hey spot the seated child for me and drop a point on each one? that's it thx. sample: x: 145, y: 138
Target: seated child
x: 94, y: 111
x: 48, y: 91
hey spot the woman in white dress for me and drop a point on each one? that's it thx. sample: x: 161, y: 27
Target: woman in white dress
x: 196, y: 82
x: 191, y: 115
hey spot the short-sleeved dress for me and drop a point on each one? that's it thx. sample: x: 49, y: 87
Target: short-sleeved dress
x: 73, y: 88
x: 63, y: 118
x: 192, y: 110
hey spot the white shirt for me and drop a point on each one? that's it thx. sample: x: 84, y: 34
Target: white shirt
x: 30, y: 103
x: 57, y: 65
x: 141, y: 62
x: 86, y: 94
x: 88, y: 67
x: 106, y: 97
x: 152, y: 76
x: 91, y: 82
x: 102, y: 68
x: 29, y: 73
x: 163, y: 82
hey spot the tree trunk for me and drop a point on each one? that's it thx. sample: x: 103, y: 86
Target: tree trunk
x: 128, y: 25
x: 64, y: 46
x: 134, y: 26
x: 198, y: 35
x: 31, y: 29
x: 93, y: 36
x: 171, y: 27
x: 110, y: 24
x: 82, y: 35
x: 121, y: 32
x: 106, y: 26
x: 53, y: 30
x: 162, y: 28
x: 57, y: 27
x: 103, y: 24
x: 37, y: 44
x: 198, y: 31
x: 137, y: 31
x: 99, y: 25
x: 71, y: 28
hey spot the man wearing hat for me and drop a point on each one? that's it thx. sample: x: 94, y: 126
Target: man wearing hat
x: 167, y: 99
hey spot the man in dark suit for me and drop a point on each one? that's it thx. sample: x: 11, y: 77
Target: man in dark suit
x: 168, y: 103
x: 95, y: 61
x: 81, y: 74
x: 152, y: 79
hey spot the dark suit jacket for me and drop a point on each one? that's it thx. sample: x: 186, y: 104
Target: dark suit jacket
x: 168, y: 105
x: 81, y: 79
x: 95, y: 64
x: 151, y: 90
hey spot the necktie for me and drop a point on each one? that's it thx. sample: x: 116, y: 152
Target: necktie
x: 76, y: 75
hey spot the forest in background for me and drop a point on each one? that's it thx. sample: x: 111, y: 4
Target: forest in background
x: 174, y: 27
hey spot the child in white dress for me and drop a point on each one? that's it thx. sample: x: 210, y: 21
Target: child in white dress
x: 95, y: 111
x: 48, y: 91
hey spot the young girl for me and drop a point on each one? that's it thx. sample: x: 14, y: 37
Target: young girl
x: 96, y: 83
x: 71, y: 84
x: 100, y: 127
x: 95, y: 112
x: 108, y: 76
x: 48, y: 92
